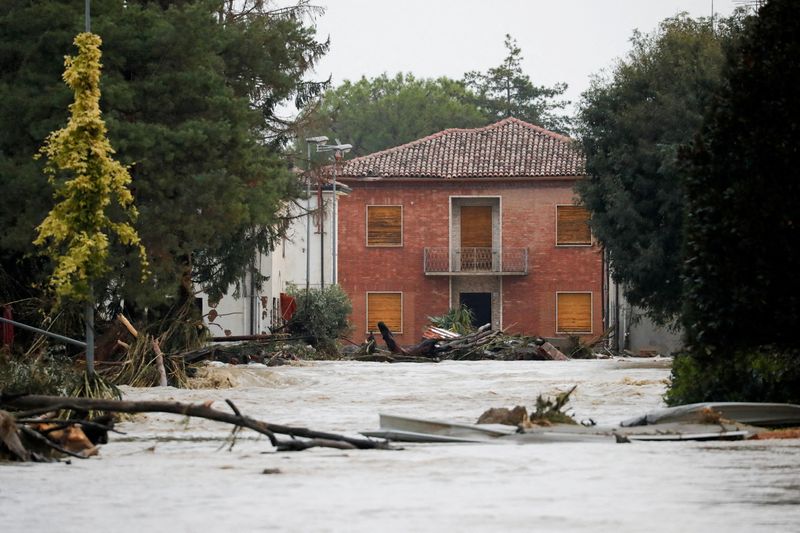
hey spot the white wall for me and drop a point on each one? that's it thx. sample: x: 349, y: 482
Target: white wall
x: 252, y: 313
x: 634, y: 331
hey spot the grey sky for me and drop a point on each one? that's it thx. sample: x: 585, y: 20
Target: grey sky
x: 561, y: 40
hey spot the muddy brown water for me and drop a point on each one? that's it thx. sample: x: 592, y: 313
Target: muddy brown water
x: 170, y: 474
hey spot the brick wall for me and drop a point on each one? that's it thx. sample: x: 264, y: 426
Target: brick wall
x: 528, y: 217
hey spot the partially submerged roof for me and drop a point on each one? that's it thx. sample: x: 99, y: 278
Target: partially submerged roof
x: 510, y: 148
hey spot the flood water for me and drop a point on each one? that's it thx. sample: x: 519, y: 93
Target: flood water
x: 169, y: 474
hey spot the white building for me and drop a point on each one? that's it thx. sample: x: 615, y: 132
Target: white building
x: 304, y: 256
x: 632, y: 330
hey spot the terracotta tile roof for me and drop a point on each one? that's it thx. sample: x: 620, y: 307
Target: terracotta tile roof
x: 507, y: 149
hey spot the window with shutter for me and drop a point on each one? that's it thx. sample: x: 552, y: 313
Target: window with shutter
x: 384, y: 225
x: 574, y: 312
x: 572, y: 226
x: 386, y: 307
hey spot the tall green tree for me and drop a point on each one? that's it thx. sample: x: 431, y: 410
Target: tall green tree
x: 506, y: 91
x: 742, y: 229
x: 632, y: 124
x: 190, y: 96
x: 382, y: 112
x: 743, y: 191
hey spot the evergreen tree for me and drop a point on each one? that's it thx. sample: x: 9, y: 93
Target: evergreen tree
x: 190, y: 92
x: 506, y: 91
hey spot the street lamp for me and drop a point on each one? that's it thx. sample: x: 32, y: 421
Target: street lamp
x: 338, y: 149
x: 319, y: 140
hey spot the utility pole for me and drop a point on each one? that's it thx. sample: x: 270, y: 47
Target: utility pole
x: 339, y: 150
x: 309, y: 141
x: 88, y: 311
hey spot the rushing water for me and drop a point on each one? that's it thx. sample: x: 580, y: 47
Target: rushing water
x: 169, y: 474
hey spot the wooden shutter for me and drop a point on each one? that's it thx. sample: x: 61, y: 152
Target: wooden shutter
x: 386, y: 307
x: 476, y: 226
x: 574, y: 311
x: 573, y: 225
x: 476, y: 238
x: 384, y: 225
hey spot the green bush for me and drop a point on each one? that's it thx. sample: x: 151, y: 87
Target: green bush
x: 47, y: 375
x: 765, y: 374
x: 321, y: 316
x: 458, y: 319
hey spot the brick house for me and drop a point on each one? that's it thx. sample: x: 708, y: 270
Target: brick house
x: 484, y: 217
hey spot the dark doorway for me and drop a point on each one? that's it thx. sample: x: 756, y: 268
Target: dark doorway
x: 480, y: 303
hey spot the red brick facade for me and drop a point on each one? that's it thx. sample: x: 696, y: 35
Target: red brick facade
x: 516, y: 171
x: 528, y: 220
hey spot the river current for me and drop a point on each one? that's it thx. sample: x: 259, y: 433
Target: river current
x: 172, y: 474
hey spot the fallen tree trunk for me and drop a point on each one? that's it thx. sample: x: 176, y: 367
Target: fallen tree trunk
x: 37, y: 404
x: 388, y: 358
x: 388, y: 338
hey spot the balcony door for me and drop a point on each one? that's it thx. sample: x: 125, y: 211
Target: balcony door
x: 476, y: 238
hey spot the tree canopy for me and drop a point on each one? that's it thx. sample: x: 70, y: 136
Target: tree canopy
x: 377, y: 113
x: 632, y: 123
x: 506, y: 91
x: 743, y: 229
x: 190, y: 91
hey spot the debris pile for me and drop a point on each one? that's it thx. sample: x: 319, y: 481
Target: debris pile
x: 548, y: 411
x: 484, y: 343
x: 31, y: 422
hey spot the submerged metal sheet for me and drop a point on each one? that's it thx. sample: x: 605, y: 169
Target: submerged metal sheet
x: 761, y: 414
x: 438, y: 427
x: 409, y: 429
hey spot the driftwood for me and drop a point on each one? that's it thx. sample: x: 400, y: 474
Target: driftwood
x: 388, y: 338
x: 426, y: 348
x: 483, y: 343
x: 388, y: 358
x: 162, y: 373
x: 125, y: 322
x: 37, y: 404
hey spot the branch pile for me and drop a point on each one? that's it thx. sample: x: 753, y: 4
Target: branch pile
x: 484, y: 343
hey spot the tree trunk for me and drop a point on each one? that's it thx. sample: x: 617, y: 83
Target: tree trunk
x: 36, y: 404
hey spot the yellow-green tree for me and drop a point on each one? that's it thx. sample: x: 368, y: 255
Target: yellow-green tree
x: 94, y: 204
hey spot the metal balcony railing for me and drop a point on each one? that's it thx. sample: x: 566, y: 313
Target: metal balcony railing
x: 465, y: 261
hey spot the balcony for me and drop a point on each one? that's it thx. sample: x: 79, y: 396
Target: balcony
x: 476, y: 261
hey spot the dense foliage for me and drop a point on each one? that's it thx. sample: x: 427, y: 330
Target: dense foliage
x: 189, y: 93
x: 763, y: 374
x: 55, y: 376
x: 742, y: 229
x: 383, y: 112
x: 373, y: 114
x: 632, y: 124
x: 321, y: 316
